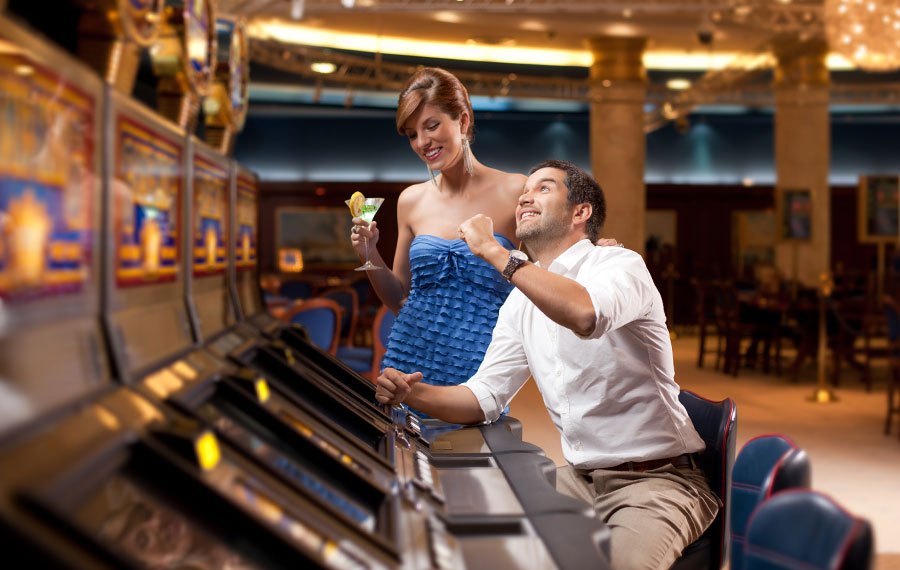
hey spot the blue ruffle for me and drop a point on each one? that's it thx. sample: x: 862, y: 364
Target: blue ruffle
x: 446, y: 324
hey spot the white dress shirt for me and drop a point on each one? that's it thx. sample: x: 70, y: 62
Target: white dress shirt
x: 612, y: 394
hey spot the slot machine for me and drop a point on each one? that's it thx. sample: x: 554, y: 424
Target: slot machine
x: 51, y: 342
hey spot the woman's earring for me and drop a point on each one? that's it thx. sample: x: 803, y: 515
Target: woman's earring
x: 431, y: 174
x: 467, y: 157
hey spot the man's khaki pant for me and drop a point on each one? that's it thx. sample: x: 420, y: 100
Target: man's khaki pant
x: 652, y: 515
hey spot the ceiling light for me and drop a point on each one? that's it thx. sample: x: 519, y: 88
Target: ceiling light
x: 678, y: 83
x: 865, y: 33
x: 448, y: 17
x: 348, y: 3
x: 297, y: 9
x: 324, y: 67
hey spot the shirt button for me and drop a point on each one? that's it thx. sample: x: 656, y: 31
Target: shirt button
x: 577, y: 447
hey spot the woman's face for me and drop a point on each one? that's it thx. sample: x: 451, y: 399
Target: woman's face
x: 435, y: 136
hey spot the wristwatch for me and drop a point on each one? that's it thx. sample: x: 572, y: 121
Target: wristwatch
x: 516, y: 259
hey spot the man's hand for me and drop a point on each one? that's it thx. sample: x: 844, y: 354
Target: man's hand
x: 478, y: 233
x: 393, y: 386
x: 608, y: 242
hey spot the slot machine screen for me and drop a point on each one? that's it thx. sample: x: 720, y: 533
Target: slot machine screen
x: 318, y: 400
x: 344, y: 491
x: 150, y: 532
x: 245, y: 243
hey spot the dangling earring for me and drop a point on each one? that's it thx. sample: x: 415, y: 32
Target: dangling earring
x: 467, y: 157
x: 431, y: 174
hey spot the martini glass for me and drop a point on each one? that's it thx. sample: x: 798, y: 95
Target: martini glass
x: 367, y: 212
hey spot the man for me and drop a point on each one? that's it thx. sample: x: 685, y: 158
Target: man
x: 588, y: 324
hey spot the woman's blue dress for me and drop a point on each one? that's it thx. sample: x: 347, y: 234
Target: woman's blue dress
x: 445, y: 325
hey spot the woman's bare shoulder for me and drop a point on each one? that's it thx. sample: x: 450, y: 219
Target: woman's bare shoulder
x: 412, y: 194
x: 511, y: 183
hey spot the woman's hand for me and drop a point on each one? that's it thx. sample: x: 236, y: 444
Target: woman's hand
x: 363, y: 236
x: 608, y: 242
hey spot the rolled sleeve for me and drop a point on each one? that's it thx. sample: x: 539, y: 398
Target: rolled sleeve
x: 619, y: 295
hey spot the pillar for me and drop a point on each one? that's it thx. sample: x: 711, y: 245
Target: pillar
x: 618, y: 85
x: 802, y: 141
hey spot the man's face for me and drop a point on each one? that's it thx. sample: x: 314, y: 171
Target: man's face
x: 544, y: 213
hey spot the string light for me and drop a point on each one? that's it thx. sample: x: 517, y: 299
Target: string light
x: 865, y: 32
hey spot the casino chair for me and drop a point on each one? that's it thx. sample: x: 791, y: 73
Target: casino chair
x: 348, y: 300
x: 765, y: 465
x: 716, y: 422
x: 320, y: 317
x: 806, y: 529
x: 295, y: 289
x: 367, y: 361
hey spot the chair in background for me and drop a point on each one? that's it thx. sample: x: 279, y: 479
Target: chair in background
x: 320, y: 318
x: 704, y: 305
x: 295, y: 289
x: 716, y: 422
x: 348, y: 300
x: 765, y: 465
x: 730, y: 325
x: 367, y: 361
x: 892, y: 317
x: 806, y: 529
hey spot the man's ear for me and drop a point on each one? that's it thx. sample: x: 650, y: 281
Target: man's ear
x: 582, y: 213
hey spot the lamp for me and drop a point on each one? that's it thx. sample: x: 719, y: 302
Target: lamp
x: 866, y: 32
x: 290, y: 260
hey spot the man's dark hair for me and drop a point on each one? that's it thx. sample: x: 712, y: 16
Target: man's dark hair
x: 581, y: 188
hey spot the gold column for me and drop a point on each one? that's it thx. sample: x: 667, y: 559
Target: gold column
x: 618, y: 85
x: 802, y: 141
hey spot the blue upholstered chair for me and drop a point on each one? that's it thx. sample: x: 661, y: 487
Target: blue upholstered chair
x: 320, y: 319
x: 808, y: 530
x: 765, y: 465
x: 295, y: 289
x: 367, y: 361
x: 347, y: 299
x: 716, y: 422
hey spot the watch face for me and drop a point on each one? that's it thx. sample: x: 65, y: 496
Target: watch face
x: 521, y: 255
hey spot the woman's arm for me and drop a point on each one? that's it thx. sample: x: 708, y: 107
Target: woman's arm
x: 391, y: 286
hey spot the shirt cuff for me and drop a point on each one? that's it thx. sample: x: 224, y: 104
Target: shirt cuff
x: 489, y: 406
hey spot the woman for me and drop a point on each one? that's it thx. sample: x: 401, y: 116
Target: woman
x: 446, y: 298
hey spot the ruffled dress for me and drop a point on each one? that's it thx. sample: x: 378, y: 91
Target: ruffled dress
x: 445, y: 326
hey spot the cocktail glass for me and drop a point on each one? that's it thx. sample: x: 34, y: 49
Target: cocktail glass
x: 367, y: 213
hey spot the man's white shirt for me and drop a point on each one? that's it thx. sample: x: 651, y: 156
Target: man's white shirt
x: 611, y: 394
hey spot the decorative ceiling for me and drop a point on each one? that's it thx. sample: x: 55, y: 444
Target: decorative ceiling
x: 537, y: 48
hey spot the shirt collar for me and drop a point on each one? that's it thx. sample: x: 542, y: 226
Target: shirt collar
x: 564, y: 262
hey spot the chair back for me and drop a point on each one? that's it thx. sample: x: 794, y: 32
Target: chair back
x: 319, y: 317
x: 765, y: 465
x: 892, y: 317
x: 716, y: 423
x: 384, y: 322
x: 295, y: 289
x: 348, y: 300
x: 809, y: 530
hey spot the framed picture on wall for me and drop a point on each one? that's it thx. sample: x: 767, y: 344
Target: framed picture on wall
x: 877, y: 208
x: 794, y: 208
x: 322, y: 235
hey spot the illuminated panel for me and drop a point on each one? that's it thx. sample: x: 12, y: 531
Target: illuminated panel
x: 46, y: 181
x: 147, y: 186
x: 150, y: 532
x: 210, y: 215
x: 245, y: 239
